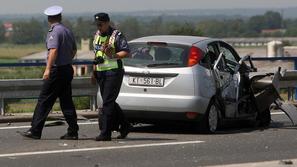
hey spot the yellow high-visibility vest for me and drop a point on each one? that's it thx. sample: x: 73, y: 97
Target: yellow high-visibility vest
x: 108, y: 64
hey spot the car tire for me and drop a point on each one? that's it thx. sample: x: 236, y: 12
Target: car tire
x: 211, y: 120
x: 264, y: 118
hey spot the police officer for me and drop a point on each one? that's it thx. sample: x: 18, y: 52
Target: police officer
x: 57, y: 77
x: 110, y: 46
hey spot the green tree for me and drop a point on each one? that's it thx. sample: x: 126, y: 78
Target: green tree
x: 256, y: 23
x: 155, y: 27
x: 84, y: 29
x: 131, y: 28
x: 270, y: 20
x: 291, y: 25
x: 28, y: 32
x: 184, y: 29
x: 235, y: 28
x: 212, y: 28
x: 2, y: 31
x: 273, y: 20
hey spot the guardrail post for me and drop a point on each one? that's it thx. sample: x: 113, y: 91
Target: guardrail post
x: 93, y: 103
x: 2, y: 111
x: 290, y: 94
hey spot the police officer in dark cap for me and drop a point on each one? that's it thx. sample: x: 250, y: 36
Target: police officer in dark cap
x: 110, y: 46
x: 57, y: 77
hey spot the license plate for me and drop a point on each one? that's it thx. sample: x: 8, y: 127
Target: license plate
x: 146, y: 81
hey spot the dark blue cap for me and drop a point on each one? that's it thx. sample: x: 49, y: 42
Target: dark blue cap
x: 101, y: 17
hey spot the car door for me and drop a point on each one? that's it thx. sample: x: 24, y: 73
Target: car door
x: 230, y: 59
x: 222, y: 74
x: 227, y: 81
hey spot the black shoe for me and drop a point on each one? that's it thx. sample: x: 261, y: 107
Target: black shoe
x: 68, y: 136
x: 124, y: 131
x: 102, y: 138
x: 29, y: 134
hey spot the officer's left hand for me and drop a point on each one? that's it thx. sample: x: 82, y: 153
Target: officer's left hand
x: 46, y: 74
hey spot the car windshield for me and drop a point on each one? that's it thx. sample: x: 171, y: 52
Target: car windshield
x: 157, y: 55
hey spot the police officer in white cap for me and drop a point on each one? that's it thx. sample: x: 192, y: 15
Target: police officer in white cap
x: 57, y: 77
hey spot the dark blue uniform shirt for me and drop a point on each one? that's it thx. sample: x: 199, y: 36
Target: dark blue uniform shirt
x: 61, y: 38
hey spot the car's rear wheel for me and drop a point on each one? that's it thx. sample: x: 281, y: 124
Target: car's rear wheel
x: 210, y: 122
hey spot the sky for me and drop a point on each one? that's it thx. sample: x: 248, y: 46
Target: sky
x: 83, y: 6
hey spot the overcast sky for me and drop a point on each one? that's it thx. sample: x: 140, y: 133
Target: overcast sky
x: 78, y: 6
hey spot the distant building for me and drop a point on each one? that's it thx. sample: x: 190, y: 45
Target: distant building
x: 273, y: 31
x: 8, y: 27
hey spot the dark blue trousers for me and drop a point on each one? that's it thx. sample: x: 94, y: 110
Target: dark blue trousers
x: 111, y: 117
x: 57, y: 86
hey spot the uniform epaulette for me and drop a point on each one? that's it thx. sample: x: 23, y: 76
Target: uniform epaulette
x: 51, y: 29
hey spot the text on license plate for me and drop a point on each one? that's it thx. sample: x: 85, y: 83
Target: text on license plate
x: 146, y: 81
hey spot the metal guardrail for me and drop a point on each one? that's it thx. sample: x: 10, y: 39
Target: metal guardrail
x: 26, y: 88
x: 292, y: 84
x: 288, y: 79
x: 84, y: 62
x: 30, y: 88
x: 294, y: 59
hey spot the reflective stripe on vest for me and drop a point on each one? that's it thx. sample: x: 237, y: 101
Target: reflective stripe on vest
x: 108, y: 63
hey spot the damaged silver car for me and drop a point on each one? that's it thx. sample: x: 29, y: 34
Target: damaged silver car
x: 195, y: 79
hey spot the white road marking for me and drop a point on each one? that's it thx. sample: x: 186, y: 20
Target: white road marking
x: 276, y: 163
x: 14, y: 127
x: 98, y: 148
x: 92, y: 123
x: 25, y: 127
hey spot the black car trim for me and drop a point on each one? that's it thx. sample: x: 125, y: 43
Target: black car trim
x: 151, y: 74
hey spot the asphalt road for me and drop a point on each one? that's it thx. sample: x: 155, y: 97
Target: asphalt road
x: 148, y: 146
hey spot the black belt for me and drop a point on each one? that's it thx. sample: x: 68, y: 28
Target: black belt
x: 62, y: 66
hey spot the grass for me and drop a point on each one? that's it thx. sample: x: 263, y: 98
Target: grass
x: 8, y: 60
x: 12, y: 51
x: 21, y: 72
x: 28, y: 105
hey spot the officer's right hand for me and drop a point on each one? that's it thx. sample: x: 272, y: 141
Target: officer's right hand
x: 46, y: 74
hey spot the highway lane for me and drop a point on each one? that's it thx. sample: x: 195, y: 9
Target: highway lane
x: 150, y: 145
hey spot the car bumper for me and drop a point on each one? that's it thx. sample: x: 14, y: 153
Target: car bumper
x: 164, y: 107
x: 137, y: 116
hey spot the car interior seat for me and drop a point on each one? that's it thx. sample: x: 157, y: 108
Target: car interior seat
x: 162, y: 54
x: 143, y: 53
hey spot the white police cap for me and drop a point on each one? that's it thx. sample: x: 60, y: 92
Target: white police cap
x: 53, y: 10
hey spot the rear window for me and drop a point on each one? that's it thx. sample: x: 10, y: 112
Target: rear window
x: 157, y: 55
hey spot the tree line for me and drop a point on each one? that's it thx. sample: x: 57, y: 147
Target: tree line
x: 34, y: 31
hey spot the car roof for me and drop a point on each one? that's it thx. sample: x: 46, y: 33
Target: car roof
x: 174, y: 39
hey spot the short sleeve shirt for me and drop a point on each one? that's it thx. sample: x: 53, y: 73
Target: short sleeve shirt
x: 61, y: 38
x: 121, y: 43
